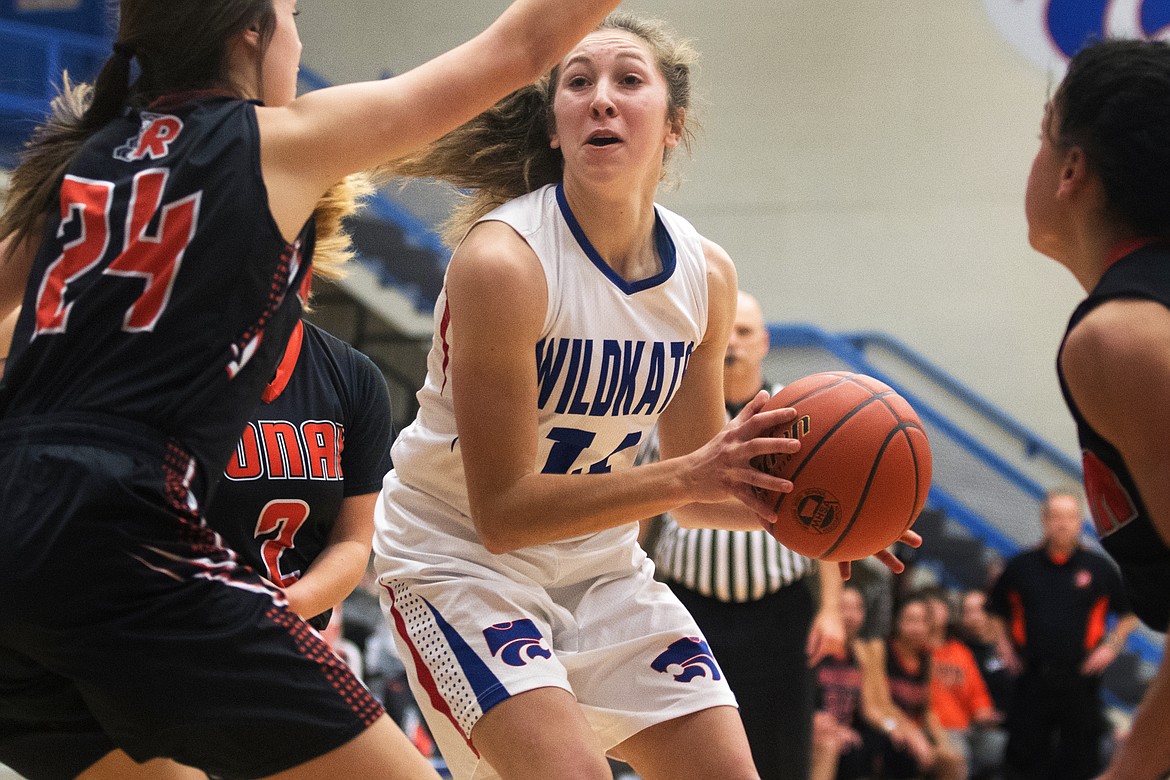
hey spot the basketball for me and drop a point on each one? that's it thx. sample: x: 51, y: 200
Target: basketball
x: 863, y: 469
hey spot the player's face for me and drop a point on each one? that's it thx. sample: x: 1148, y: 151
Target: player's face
x: 1040, y: 203
x: 748, y: 343
x: 914, y: 624
x: 852, y: 612
x: 610, y: 108
x: 283, y: 57
x: 1062, y: 522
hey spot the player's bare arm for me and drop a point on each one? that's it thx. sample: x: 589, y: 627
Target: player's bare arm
x: 335, y: 573
x: 695, y: 416
x: 1117, y: 366
x: 16, y: 257
x: 327, y: 134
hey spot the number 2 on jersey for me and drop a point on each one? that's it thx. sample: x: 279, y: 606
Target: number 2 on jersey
x: 285, y: 517
x: 155, y: 258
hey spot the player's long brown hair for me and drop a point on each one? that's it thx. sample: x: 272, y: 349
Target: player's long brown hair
x: 334, y: 248
x: 504, y: 152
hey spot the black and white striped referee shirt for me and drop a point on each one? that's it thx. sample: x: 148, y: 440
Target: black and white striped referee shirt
x: 733, y: 566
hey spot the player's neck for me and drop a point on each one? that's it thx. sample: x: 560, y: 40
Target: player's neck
x: 619, y: 225
x: 1093, y: 251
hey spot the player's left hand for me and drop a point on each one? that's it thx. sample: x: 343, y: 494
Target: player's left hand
x: 825, y: 638
x: 908, y: 537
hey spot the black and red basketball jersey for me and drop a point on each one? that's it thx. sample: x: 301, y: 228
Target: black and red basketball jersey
x: 839, y: 686
x: 909, y: 688
x: 321, y: 434
x: 1122, y: 521
x: 163, y: 291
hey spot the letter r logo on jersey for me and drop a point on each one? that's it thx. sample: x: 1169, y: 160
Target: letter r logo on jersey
x: 686, y: 659
x: 516, y: 643
x: 154, y: 138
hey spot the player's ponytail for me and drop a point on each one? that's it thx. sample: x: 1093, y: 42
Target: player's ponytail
x: 1114, y: 103
x: 499, y: 155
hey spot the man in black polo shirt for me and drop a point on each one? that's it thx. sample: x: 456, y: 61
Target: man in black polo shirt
x: 1052, y: 603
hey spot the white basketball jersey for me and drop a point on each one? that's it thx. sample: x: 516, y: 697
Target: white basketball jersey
x: 610, y: 357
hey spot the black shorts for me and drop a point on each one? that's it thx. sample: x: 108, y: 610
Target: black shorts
x: 125, y: 623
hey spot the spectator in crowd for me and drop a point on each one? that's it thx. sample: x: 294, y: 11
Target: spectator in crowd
x: 876, y: 583
x: 918, y: 744
x: 959, y: 695
x: 849, y: 731
x: 978, y: 632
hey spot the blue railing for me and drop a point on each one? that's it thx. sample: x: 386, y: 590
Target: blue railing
x: 844, y: 348
x: 1033, y: 444
x: 32, y: 59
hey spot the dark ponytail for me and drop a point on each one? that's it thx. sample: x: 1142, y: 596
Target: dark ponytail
x: 1114, y: 103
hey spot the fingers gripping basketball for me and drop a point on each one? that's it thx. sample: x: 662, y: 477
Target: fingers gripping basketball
x: 862, y: 473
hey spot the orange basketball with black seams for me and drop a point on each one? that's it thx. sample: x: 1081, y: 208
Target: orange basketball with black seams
x: 862, y: 473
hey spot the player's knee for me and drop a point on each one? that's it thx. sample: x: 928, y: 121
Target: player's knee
x: 579, y: 765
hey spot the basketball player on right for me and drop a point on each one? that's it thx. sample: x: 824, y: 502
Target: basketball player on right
x: 1098, y: 202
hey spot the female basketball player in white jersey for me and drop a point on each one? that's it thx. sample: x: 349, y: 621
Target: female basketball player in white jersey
x: 574, y: 316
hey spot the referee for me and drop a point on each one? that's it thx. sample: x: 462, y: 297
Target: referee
x: 753, y: 598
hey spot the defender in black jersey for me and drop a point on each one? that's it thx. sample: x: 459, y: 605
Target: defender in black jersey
x: 1097, y: 202
x: 306, y: 472
x: 156, y: 233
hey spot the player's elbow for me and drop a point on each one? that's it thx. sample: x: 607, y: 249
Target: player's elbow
x: 495, y: 534
x: 687, y: 516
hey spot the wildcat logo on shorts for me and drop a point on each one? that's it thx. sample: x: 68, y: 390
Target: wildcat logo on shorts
x: 516, y: 643
x: 691, y: 657
x: 1050, y: 32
